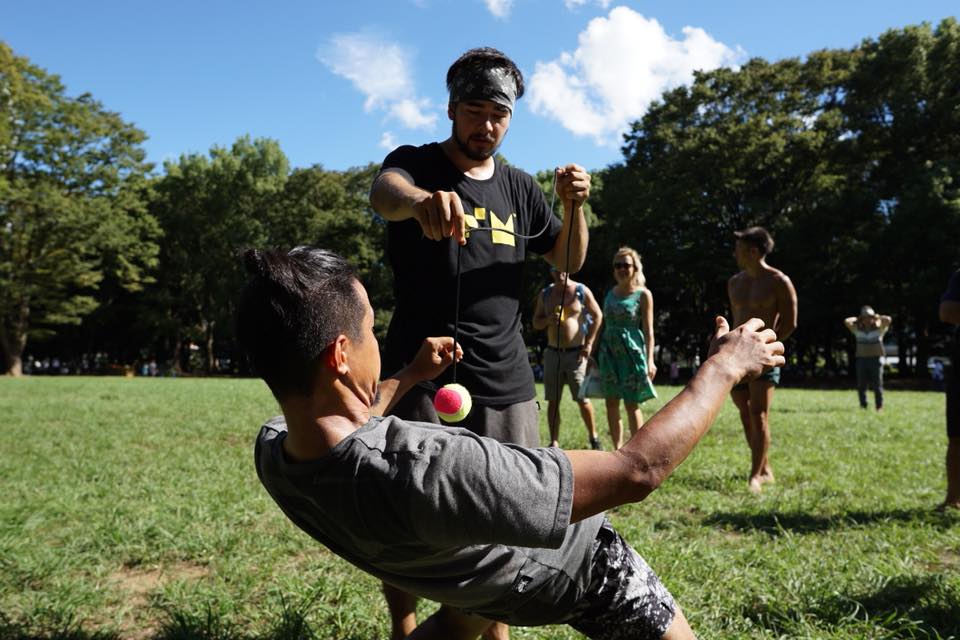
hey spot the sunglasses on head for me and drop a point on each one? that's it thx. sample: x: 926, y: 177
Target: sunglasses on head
x: 622, y: 265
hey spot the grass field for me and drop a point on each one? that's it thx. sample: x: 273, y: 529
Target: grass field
x: 130, y: 508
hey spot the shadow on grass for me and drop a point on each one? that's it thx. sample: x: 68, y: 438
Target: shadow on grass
x: 918, y: 607
x: 290, y: 624
x: 820, y: 409
x: 776, y: 524
x: 717, y: 483
x: 11, y: 631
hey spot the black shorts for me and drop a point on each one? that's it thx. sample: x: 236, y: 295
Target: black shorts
x: 625, y: 599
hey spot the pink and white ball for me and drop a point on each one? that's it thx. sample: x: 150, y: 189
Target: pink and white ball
x: 452, y: 402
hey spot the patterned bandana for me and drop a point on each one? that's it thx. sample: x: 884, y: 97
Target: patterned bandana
x: 495, y: 85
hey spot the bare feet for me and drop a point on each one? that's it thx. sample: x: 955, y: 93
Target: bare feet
x: 756, y: 482
x: 952, y: 504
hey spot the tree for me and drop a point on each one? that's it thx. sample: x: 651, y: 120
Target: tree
x: 903, y: 114
x: 209, y: 209
x: 849, y: 157
x: 331, y: 209
x: 72, y: 212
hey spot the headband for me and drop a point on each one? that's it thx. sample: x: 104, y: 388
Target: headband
x: 495, y: 85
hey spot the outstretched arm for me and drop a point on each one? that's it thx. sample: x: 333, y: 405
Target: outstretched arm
x: 440, y: 214
x: 603, y: 479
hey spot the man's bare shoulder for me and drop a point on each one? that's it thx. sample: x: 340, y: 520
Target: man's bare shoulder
x: 779, y: 278
x: 737, y: 277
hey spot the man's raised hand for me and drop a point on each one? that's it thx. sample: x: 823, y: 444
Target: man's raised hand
x: 573, y: 184
x: 434, y: 356
x: 748, y: 350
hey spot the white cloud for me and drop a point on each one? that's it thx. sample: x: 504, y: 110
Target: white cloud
x: 381, y: 71
x: 413, y: 113
x: 388, y: 141
x: 499, y: 8
x: 576, y: 4
x: 622, y: 63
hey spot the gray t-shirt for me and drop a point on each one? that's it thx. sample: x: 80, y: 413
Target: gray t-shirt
x: 442, y: 513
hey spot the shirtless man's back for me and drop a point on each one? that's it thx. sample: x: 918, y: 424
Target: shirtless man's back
x: 759, y: 291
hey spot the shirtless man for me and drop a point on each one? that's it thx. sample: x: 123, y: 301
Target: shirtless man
x: 565, y: 361
x: 759, y: 291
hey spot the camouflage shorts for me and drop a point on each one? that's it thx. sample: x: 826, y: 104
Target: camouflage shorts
x: 625, y: 599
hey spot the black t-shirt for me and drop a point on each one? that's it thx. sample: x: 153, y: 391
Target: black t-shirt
x: 952, y: 294
x: 494, y: 368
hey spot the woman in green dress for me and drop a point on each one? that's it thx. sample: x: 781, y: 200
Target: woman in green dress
x: 626, y: 344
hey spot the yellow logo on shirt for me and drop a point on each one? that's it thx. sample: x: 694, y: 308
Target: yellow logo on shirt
x: 502, y: 232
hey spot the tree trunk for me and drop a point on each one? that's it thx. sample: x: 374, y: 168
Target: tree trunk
x: 923, y: 348
x: 175, y: 354
x: 13, y: 340
x: 208, y: 347
x: 11, y: 354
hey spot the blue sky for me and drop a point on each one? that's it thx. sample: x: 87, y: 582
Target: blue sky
x: 340, y: 83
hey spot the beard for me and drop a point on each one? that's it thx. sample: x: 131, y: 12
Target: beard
x: 464, y: 146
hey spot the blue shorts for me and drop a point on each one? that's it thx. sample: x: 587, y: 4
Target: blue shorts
x: 770, y: 376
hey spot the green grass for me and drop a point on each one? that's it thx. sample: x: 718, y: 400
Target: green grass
x: 130, y: 508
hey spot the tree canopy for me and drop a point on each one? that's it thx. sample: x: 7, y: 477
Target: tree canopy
x: 73, y: 194
x: 850, y: 157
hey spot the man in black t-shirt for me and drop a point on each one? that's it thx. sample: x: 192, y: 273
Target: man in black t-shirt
x: 453, y: 203
x: 950, y: 313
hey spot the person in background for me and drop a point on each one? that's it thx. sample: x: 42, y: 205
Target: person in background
x: 626, y: 344
x: 571, y: 316
x: 759, y: 291
x: 869, y: 328
x: 950, y: 313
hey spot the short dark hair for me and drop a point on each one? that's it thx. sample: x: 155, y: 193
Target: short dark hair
x: 482, y: 59
x: 756, y: 237
x: 293, y: 306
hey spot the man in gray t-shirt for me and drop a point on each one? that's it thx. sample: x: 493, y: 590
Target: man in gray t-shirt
x: 491, y: 531
x: 397, y: 492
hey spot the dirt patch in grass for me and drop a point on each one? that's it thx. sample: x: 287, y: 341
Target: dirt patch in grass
x: 947, y: 560
x: 136, y: 584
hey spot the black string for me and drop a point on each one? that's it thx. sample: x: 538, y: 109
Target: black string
x: 456, y: 314
x: 563, y: 293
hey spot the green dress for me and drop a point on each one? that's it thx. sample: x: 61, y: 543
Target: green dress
x: 623, y: 350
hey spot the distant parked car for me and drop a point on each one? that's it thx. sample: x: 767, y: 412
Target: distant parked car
x: 933, y: 360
